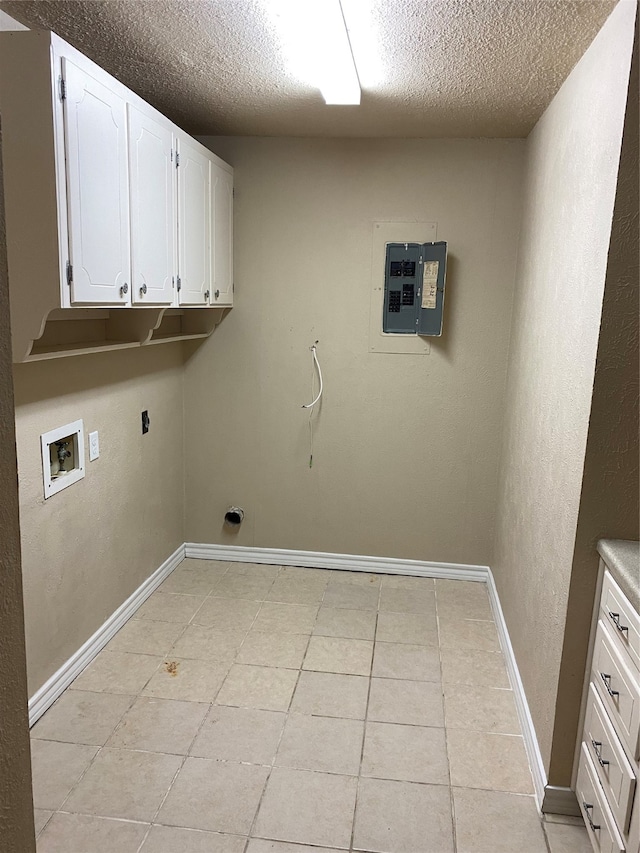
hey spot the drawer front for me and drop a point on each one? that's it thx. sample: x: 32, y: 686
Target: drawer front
x: 617, y: 687
x: 614, y: 770
x: 595, y: 811
x: 618, y: 612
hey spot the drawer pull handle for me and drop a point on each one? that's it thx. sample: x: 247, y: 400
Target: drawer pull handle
x: 607, y: 683
x: 597, y: 746
x: 587, y: 807
x: 615, y: 618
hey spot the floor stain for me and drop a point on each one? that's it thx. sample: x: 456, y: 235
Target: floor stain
x: 171, y: 667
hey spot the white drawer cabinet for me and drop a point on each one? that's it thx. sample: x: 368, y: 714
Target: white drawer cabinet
x: 624, y: 621
x: 109, y: 206
x: 600, y: 822
x: 618, y: 685
x: 614, y: 770
x: 608, y: 764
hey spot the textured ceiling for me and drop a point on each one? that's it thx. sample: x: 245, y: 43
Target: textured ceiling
x: 448, y: 68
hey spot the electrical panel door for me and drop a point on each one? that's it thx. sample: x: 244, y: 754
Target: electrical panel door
x: 414, y: 288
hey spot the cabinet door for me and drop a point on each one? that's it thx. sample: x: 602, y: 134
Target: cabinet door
x: 97, y: 190
x: 152, y: 175
x: 222, y: 254
x: 194, y: 225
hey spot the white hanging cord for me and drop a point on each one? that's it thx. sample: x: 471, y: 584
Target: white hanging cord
x: 314, y: 364
x: 313, y: 384
x: 317, y: 364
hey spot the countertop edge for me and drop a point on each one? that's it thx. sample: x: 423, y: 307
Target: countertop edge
x: 622, y: 557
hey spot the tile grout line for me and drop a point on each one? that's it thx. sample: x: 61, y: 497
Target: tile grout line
x: 452, y: 808
x: 98, y: 751
x: 546, y: 838
x: 284, y: 725
x: 366, y: 719
x: 186, y: 755
x: 100, y: 748
x: 184, y: 758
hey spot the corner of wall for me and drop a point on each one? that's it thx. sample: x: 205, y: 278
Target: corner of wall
x: 569, y: 200
x: 609, y: 500
x: 16, y: 803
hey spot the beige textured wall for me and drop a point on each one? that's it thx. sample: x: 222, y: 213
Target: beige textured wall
x: 86, y: 549
x: 16, y: 803
x: 405, y: 445
x: 572, y: 161
x: 8, y: 23
x: 609, y: 501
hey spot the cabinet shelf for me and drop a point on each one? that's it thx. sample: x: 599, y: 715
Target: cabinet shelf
x: 77, y: 348
x: 178, y: 325
x: 73, y: 331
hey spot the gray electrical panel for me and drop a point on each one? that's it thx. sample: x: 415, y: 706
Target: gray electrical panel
x: 414, y: 281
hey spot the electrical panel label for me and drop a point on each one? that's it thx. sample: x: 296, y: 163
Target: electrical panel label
x: 430, y: 283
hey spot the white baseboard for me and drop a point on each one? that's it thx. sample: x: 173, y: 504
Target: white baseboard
x: 536, y: 764
x: 347, y: 562
x: 60, y: 680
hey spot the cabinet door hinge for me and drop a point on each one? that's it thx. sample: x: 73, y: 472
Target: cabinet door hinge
x: 177, y: 159
x: 62, y: 88
x: 179, y: 283
x: 69, y: 273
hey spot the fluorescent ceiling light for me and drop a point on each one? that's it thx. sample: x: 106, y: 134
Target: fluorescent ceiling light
x: 337, y: 75
x: 316, y: 42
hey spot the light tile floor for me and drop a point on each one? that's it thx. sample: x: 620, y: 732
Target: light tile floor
x: 259, y: 709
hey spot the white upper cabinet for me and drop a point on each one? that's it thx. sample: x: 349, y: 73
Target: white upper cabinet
x: 97, y: 189
x: 152, y: 175
x: 222, y: 247
x: 108, y: 206
x: 194, y: 224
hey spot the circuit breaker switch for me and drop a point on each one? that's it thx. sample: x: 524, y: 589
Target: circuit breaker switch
x: 408, y: 294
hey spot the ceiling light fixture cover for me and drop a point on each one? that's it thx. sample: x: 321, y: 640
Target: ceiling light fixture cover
x: 316, y: 41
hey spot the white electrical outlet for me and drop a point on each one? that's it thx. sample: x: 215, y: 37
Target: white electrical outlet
x: 94, y: 446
